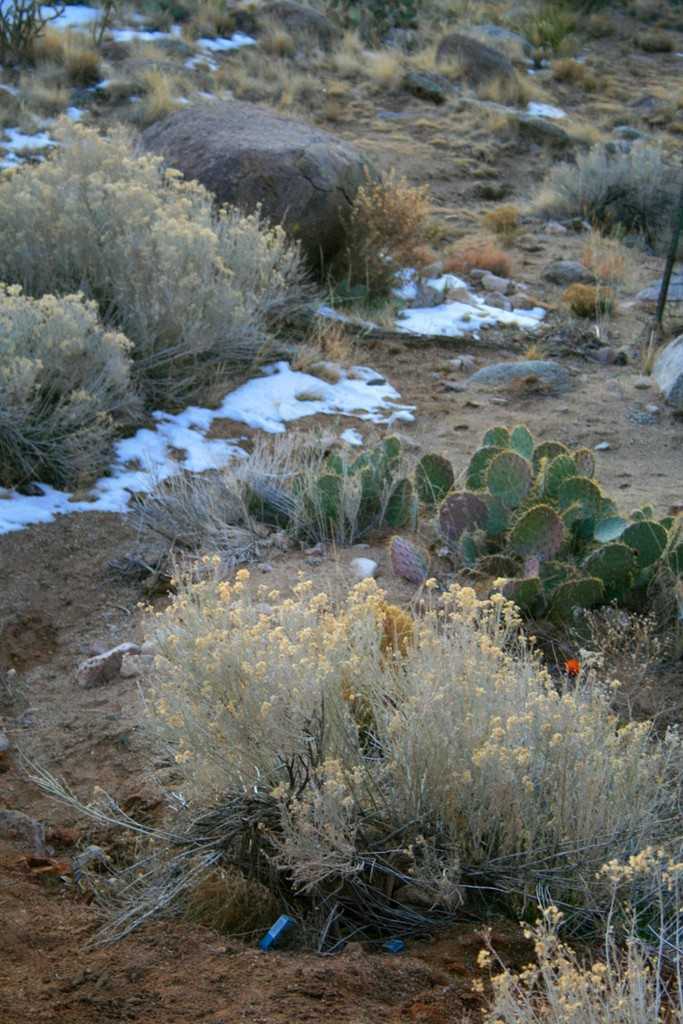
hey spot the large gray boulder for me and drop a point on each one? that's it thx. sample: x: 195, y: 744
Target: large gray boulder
x: 547, y: 371
x: 479, y: 63
x: 668, y: 372
x: 301, y: 176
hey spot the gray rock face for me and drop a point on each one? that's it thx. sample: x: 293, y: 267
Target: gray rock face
x: 22, y: 829
x: 651, y: 293
x: 668, y: 372
x: 301, y: 176
x: 496, y: 34
x: 427, y: 86
x: 103, y: 668
x: 302, y: 22
x: 567, y: 272
x: 479, y: 63
x: 538, y: 131
x: 500, y: 374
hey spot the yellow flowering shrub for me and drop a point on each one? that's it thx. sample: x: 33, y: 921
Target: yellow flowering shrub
x: 62, y: 377
x: 193, y: 288
x: 462, y: 735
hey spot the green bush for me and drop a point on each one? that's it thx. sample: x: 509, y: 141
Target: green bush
x: 63, y: 377
x: 195, y: 290
x: 373, y: 18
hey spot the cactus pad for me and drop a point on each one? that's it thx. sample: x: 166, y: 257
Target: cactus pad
x: 609, y: 529
x: 540, y: 532
x: 433, y: 478
x: 329, y: 496
x: 479, y: 467
x: 586, y: 592
x: 460, y: 512
x: 557, y: 471
x: 468, y: 549
x: 497, y: 565
x: 408, y: 560
x: 582, y: 491
x: 509, y: 478
x: 399, y: 510
x: 548, y: 450
x: 584, y: 461
x: 522, y: 442
x: 524, y: 592
x: 615, y: 565
x: 648, y: 539
x: 498, y: 437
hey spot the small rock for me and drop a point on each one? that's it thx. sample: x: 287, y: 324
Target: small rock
x: 642, y: 383
x: 651, y: 293
x: 625, y: 131
x: 567, y: 272
x: 264, y: 567
x: 135, y: 664
x: 463, y: 362
x: 547, y: 371
x: 476, y: 274
x: 454, y: 385
x: 494, y: 283
x: 31, y: 490
x: 316, y: 550
x: 606, y: 355
x: 521, y: 301
x: 553, y: 227
x: 603, y: 446
x: 653, y: 409
x: 668, y: 372
x: 104, y: 667
x: 20, y: 828
x: 497, y: 300
x: 538, y: 131
x: 426, y: 85
x: 364, y: 568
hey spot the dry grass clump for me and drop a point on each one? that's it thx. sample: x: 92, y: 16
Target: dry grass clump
x: 194, y: 289
x: 587, y: 300
x: 655, y: 42
x: 503, y: 221
x: 72, y: 51
x: 63, y: 379
x: 633, y: 192
x: 158, y: 99
x: 387, y: 231
x: 631, y: 984
x: 44, y: 91
x: 482, y: 255
x: 231, y: 904
x: 610, y: 261
x: 573, y: 73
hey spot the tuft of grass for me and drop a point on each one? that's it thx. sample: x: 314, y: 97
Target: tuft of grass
x: 479, y: 255
x: 384, y: 68
x: 158, y: 100
x: 589, y: 301
x: 655, y: 42
x: 503, y: 221
x: 571, y: 72
x: 231, y: 904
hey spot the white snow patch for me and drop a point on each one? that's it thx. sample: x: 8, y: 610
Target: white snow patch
x: 17, y: 141
x: 268, y: 402
x: 74, y: 16
x: 545, y: 110
x: 329, y: 313
x: 221, y: 44
x: 455, y: 319
x: 352, y: 437
x: 11, y: 89
x: 74, y: 113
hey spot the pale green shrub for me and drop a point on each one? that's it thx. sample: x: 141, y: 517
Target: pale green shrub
x: 62, y: 379
x: 458, y: 737
x: 194, y: 289
x: 633, y: 192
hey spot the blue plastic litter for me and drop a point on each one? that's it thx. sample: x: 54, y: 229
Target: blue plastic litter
x: 276, y: 931
x: 394, y: 946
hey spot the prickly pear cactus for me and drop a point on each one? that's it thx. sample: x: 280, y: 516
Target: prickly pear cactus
x: 498, y: 437
x: 509, y: 478
x: 648, y: 539
x: 614, y: 564
x: 556, y: 472
x: 408, y: 560
x: 461, y: 512
x: 400, y: 510
x: 547, y: 451
x: 526, y: 593
x: 585, y: 462
x: 478, y: 468
x: 434, y: 478
x: 522, y: 442
x: 540, y: 532
x: 586, y: 592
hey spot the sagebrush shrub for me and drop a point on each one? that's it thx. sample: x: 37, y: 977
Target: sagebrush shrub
x: 194, y: 289
x: 634, y: 191
x: 62, y: 379
x: 512, y: 780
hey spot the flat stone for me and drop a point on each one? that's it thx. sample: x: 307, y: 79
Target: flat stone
x: 567, y: 272
x: 22, y: 829
x: 642, y: 383
x: 103, y: 668
x: 494, y: 283
x: 668, y: 372
x: 546, y: 370
x: 651, y: 293
x: 426, y: 85
x: 497, y: 300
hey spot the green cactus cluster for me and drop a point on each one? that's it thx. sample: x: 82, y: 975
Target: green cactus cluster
x: 536, y: 512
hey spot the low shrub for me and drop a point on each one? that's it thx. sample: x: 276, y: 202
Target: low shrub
x: 197, y: 291
x: 585, y: 300
x: 63, y: 379
x: 479, y: 256
x: 374, y: 18
x: 573, y: 73
x: 634, y: 191
x: 22, y: 22
x: 655, y: 42
x: 503, y: 221
x: 324, y: 751
x: 388, y: 228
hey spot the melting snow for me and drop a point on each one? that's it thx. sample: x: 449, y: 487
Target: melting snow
x: 545, y: 110
x: 268, y: 402
x: 455, y: 319
x: 74, y: 16
x: 17, y: 141
x: 352, y: 437
x: 233, y: 42
x: 74, y: 113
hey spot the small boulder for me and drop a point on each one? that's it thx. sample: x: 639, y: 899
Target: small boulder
x: 540, y: 132
x: 364, y: 568
x: 103, y: 668
x: 565, y: 272
x: 20, y: 828
x: 547, y: 371
x: 650, y: 294
x: 498, y: 301
x: 247, y: 156
x: 427, y: 86
x: 494, y: 283
x: 668, y: 372
x: 302, y: 22
x: 504, y: 38
x: 479, y: 63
